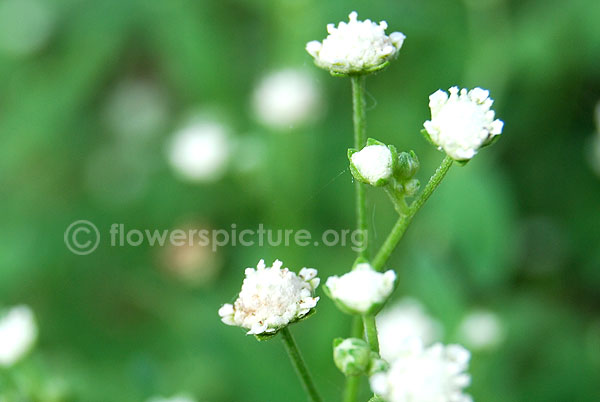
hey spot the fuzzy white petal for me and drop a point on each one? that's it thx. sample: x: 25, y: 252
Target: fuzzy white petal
x: 374, y: 163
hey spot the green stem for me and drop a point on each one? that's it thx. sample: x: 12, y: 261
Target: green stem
x: 352, y: 388
x: 360, y: 137
x: 299, y: 365
x: 371, y: 331
x: 376, y: 398
x: 402, y: 223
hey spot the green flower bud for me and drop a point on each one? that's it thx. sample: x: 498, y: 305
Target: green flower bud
x: 411, y: 187
x: 408, y: 165
x: 352, y: 356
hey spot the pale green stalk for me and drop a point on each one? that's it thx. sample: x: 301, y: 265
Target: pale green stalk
x: 300, y: 365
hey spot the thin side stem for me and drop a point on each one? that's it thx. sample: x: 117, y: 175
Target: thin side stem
x: 371, y: 331
x: 360, y: 137
x: 300, y: 365
x: 402, y: 223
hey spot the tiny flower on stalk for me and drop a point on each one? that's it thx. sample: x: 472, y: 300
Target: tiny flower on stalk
x: 361, y: 291
x: 436, y: 373
x: 353, y: 357
x: 272, y: 298
x: 374, y: 164
x: 462, y: 122
x: 355, y: 47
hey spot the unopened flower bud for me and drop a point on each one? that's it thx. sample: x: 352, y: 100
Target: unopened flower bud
x: 352, y: 356
x: 374, y: 164
x: 408, y: 165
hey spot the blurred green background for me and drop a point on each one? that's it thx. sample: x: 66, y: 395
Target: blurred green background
x: 91, y: 93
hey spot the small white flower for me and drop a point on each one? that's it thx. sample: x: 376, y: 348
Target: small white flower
x: 374, y: 164
x: 286, y: 98
x: 176, y: 398
x: 362, y: 290
x: 481, y: 330
x: 402, y: 322
x: 462, y: 122
x: 200, y: 151
x: 356, y: 47
x: 271, y: 298
x: 437, y: 373
x: 18, y: 332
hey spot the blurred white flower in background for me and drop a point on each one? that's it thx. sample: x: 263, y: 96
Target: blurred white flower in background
x: 200, y: 150
x: 271, y: 298
x: 136, y: 109
x: 25, y: 26
x: 399, y: 324
x: 18, y: 332
x: 355, y: 46
x: 287, y: 98
x: 481, y: 329
x: 419, y: 374
x: 175, y: 398
x: 192, y: 263
x: 462, y: 122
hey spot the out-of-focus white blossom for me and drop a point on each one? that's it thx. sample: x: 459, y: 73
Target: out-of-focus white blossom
x: 362, y: 290
x: 462, y: 122
x: 374, y: 164
x: 200, y: 151
x: 18, y: 332
x: 286, y: 98
x: 25, y: 26
x: 136, y: 109
x: 481, y: 330
x: 271, y: 298
x: 433, y: 374
x: 399, y: 324
x: 176, y: 398
x: 355, y: 47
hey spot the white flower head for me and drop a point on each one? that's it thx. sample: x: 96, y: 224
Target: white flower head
x: 399, y: 324
x: 481, y: 329
x: 374, y: 164
x: 362, y: 290
x: 462, y: 122
x: 355, y: 47
x: 18, y: 332
x: 286, y: 98
x: 271, y: 298
x: 436, y: 373
x: 201, y: 150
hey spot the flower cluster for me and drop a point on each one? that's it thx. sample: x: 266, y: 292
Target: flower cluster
x: 356, y: 47
x: 462, y: 122
x: 436, y: 373
x: 362, y: 290
x: 271, y: 298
